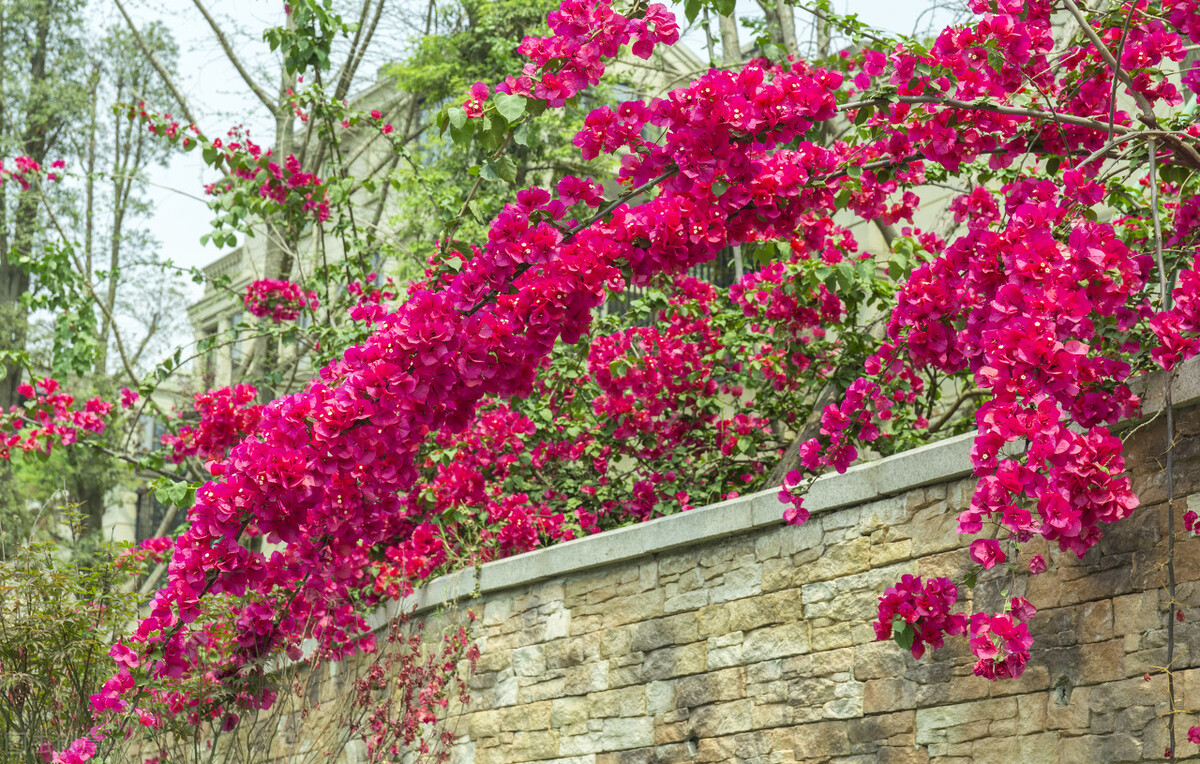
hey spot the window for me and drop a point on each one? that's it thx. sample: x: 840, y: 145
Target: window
x: 150, y: 514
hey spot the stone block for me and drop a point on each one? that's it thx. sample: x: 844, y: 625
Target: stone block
x: 841, y: 559
x: 1068, y: 712
x: 725, y: 651
x: 722, y: 718
x: 887, y: 513
x: 713, y: 620
x: 779, y: 574
x: 481, y: 724
x: 775, y: 642
x: 567, y: 711
x: 529, y: 661
x: 532, y: 745
x: 634, y: 608
x: 878, y: 727
x: 667, y: 733
x: 1023, y: 748
x: 686, y: 601
x: 820, y: 741
x: 558, y: 623
x: 529, y: 716
x: 710, y: 687
x: 839, y: 635
x: 616, y: 641
x: 752, y: 612
x: 660, y: 632
x: 660, y: 697
x: 877, y: 660
x: 668, y: 662
x: 885, y: 552
x: 1088, y: 749
x: 882, y: 696
x: 626, y: 701
x: 550, y: 687
x: 768, y: 545
x: 957, y: 723
x: 902, y: 755
x: 496, y: 611
x: 1136, y: 613
x: 738, y: 583
x: 590, y: 677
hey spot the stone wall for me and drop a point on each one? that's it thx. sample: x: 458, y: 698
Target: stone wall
x: 721, y: 635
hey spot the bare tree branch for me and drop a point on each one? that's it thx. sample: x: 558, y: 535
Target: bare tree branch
x: 163, y: 74
x: 262, y: 94
x: 358, y: 49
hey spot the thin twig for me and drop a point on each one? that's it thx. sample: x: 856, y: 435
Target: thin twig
x: 1012, y: 111
x: 163, y: 74
x: 1106, y: 54
x: 1165, y: 295
x: 255, y: 88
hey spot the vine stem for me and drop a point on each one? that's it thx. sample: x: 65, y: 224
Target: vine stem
x: 1165, y: 294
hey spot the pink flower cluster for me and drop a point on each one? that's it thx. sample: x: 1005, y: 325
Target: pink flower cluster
x: 48, y: 418
x: 278, y: 300
x: 1002, y: 642
x: 25, y: 172
x: 152, y: 551
x: 1178, y: 328
x: 924, y: 608
x: 921, y: 613
x: 285, y: 185
x: 584, y: 34
x: 1035, y: 300
x: 227, y: 415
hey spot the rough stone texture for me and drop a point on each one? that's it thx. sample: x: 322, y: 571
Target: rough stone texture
x: 757, y: 646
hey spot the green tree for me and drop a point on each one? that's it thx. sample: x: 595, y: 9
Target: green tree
x: 43, y: 93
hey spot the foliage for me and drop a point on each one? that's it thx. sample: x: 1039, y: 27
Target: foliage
x: 58, y: 620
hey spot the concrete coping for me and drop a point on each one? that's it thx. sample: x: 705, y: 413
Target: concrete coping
x: 938, y: 462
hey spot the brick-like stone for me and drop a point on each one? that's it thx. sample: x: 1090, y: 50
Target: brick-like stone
x: 753, y: 612
x: 722, y: 718
x: 667, y: 662
x: 820, y: 741
x: 529, y: 661
x: 775, y: 642
x: 710, y: 687
x: 626, y: 701
x: 660, y: 632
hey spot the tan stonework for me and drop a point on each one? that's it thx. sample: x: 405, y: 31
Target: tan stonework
x: 758, y: 647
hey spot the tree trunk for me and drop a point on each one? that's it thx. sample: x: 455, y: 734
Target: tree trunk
x: 731, y: 49
x: 14, y: 281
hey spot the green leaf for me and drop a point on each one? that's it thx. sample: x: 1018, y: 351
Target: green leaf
x: 521, y: 134
x: 511, y: 107
x: 854, y: 171
x: 971, y: 578
x: 458, y: 117
x: 503, y: 168
x: 863, y: 115
x: 904, y: 636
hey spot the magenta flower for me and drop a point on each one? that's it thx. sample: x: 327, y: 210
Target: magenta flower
x: 987, y: 552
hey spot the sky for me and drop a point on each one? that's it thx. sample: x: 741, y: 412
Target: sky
x: 219, y: 98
